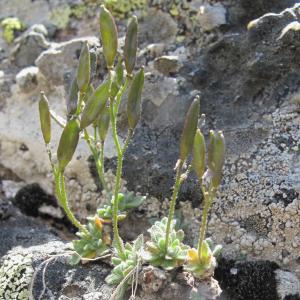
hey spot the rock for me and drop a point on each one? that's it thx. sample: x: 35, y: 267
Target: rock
x: 6, y: 209
x: 29, y: 46
x: 168, y: 64
x: 211, y: 16
x: 26, y: 245
x: 158, y: 27
x: 62, y: 59
x: 27, y: 79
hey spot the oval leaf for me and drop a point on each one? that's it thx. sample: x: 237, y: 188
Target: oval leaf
x: 130, y: 47
x: 84, y: 68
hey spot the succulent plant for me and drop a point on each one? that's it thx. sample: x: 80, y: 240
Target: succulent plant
x: 126, y: 202
x: 155, y: 250
x: 124, y: 266
x: 91, y: 244
x: 202, y: 265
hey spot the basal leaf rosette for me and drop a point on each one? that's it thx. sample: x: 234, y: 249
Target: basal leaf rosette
x: 156, y: 252
x: 93, y: 244
x: 124, y: 267
x: 202, y: 265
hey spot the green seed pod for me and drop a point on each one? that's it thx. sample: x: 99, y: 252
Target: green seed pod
x: 198, y: 161
x: 189, y: 129
x: 119, y: 73
x: 211, y: 150
x: 134, y: 99
x: 94, y: 105
x: 84, y: 69
x: 218, y: 158
x: 103, y: 123
x: 109, y: 36
x: 68, y: 143
x: 45, y: 118
x: 72, y: 99
x: 130, y: 47
x: 93, y: 62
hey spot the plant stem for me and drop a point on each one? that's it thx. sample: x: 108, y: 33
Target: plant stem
x: 207, y: 203
x: 65, y: 205
x: 119, y: 243
x: 97, y: 159
x: 177, y: 185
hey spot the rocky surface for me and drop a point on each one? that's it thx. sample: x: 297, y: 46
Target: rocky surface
x: 249, y: 85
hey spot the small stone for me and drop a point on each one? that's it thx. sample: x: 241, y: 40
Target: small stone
x: 27, y: 79
x: 167, y: 64
x: 211, y: 16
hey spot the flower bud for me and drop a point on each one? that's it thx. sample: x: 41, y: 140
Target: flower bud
x: 134, y: 99
x: 68, y: 143
x: 83, y: 70
x: 109, y: 36
x: 198, y: 161
x: 94, y: 105
x: 218, y: 158
x: 189, y: 129
x: 45, y: 118
x: 130, y: 47
x: 72, y: 99
x: 103, y: 123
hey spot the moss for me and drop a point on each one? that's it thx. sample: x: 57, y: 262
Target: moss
x: 78, y: 11
x: 10, y: 26
x: 60, y: 16
x: 121, y: 8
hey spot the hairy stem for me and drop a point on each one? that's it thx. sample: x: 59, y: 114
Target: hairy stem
x: 178, y: 181
x: 65, y: 205
x: 207, y: 203
x: 97, y: 159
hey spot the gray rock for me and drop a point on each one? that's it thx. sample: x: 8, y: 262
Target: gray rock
x: 28, y: 47
x: 27, y: 79
x: 210, y: 17
x: 167, y: 64
x: 25, y: 247
x: 62, y: 59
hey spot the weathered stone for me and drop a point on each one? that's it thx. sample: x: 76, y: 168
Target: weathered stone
x: 211, y: 16
x: 62, y: 59
x: 27, y: 79
x: 168, y: 64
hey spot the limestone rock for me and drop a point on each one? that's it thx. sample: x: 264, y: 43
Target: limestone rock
x: 27, y: 79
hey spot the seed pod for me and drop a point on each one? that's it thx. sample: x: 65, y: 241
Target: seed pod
x: 218, y: 158
x: 103, y: 123
x: 45, y: 118
x: 68, y: 143
x: 119, y: 73
x: 130, y: 47
x: 72, y: 99
x: 198, y: 161
x: 84, y: 68
x: 109, y: 36
x: 189, y: 129
x: 93, y: 62
x: 94, y: 105
x: 134, y: 99
x: 211, y: 150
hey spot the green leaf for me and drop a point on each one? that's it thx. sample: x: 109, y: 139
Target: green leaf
x: 199, y: 149
x: 72, y: 99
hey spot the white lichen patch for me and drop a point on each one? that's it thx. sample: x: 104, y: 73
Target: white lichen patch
x: 258, y: 211
x: 15, y: 276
